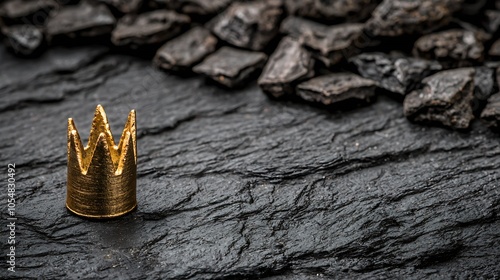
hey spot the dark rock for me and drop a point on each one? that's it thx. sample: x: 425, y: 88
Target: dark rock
x: 397, y: 17
x: 472, y: 7
x: 249, y: 25
x: 492, y: 21
x: 197, y: 7
x: 452, y: 48
x: 484, y: 86
x: 183, y: 52
x: 351, y: 10
x: 483, y: 82
x: 329, y: 44
x: 495, y: 48
x: 288, y: 65
x: 124, y: 6
x: 395, y: 73
x: 491, y: 114
x: 480, y: 33
x: 148, y: 28
x: 23, y: 40
x: 446, y: 99
x: 86, y: 19
x: 237, y: 186
x: 337, y: 87
x: 231, y: 67
x: 27, y: 11
x: 498, y: 76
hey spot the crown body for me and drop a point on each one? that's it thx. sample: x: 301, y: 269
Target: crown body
x: 102, y: 176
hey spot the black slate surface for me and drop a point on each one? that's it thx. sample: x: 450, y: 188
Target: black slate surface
x: 234, y: 185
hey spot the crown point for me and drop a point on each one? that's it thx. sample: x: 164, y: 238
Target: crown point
x: 75, y: 149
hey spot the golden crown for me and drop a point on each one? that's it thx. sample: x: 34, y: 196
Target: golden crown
x: 102, y: 176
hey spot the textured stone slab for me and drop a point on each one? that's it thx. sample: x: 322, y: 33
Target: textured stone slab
x: 395, y: 73
x: 398, y: 17
x: 148, y: 28
x: 336, y: 88
x: 86, y: 19
x: 446, y: 99
x: 183, y: 52
x: 231, y: 67
x: 288, y: 65
x: 453, y: 48
x: 249, y: 25
x: 329, y: 44
x: 234, y: 185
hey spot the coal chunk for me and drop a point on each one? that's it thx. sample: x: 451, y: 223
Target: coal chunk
x: 337, y: 87
x: 27, y: 11
x: 452, y: 48
x: 197, y: 7
x: 351, y: 10
x: 446, y: 99
x: 86, y: 19
x: 398, y: 17
x: 249, y: 25
x: 495, y: 48
x: 148, y: 28
x: 124, y: 6
x: 395, y: 73
x: 288, y: 65
x: 491, y: 114
x: 483, y: 82
x: 181, y: 53
x: 329, y: 44
x: 23, y: 40
x: 492, y: 21
x: 231, y: 67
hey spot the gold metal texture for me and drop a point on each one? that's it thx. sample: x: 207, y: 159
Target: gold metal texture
x: 102, y: 176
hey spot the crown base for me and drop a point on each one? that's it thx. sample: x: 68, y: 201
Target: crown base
x: 102, y: 216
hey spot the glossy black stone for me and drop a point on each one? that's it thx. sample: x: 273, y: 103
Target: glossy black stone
x: 335, y: 88
x: 149, y: 28
x: 491, y: 114
x: 398, y: 17
x: 249, y: 25
x: 124, y: 6
x: 288, y: 65
x: 231, y: 67
x: 452, y: 48
x: 27, y: 11
x: 446, y: 98
x: 87, y: 19
x: 197, y: 7
x: 183, y: 52
x: 329, y: 44
x: 351, y: 10
x: 23, y: 40
x: 396, y: 73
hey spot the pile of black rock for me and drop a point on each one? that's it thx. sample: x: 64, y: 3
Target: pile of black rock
x: 441, y: 58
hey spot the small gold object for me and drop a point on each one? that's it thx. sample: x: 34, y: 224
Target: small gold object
x: 102, y: 176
